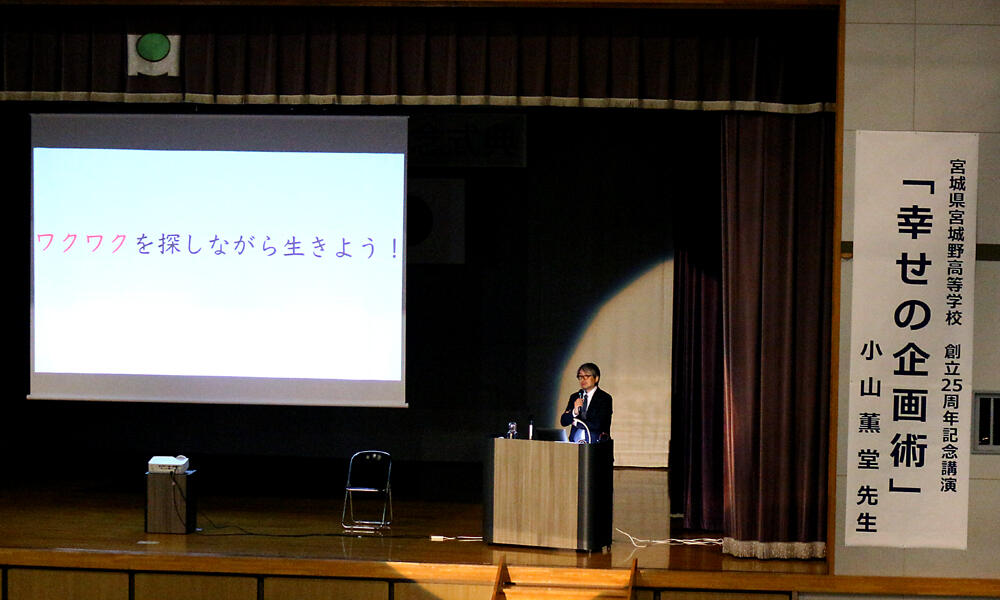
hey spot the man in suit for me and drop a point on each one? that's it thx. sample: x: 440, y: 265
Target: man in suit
x: 591, y: 405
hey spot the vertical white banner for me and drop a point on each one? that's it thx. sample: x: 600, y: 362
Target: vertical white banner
x: 911, y: 339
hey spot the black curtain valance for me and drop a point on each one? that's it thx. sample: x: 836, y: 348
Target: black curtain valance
x: 771, y: 61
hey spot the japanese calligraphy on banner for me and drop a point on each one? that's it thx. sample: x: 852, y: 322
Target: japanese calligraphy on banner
x: 911, y: 339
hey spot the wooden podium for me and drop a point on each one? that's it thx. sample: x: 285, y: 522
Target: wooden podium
x: 170, y: 502
x: 548, y: 494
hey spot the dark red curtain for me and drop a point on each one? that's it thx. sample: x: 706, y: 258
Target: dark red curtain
x: 778, y: 61
x: 696, y: 402
x: 696, y: 405
x: 777, y: 215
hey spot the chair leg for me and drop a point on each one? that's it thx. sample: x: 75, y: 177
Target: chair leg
x: 354, y: 523
x: 343, y: 514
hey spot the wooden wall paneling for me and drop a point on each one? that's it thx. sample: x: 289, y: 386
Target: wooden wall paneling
x: 691, y: 595
x: 441, y: 591
x: 168, y: 586
x: 36, y: 584
x: 662, y: 4
x: 838, y: 200
x: 297, y: 588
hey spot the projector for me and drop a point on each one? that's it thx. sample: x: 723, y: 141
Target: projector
x: 168, y: 464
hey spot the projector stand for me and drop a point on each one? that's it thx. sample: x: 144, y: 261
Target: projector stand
x: 170, y: 502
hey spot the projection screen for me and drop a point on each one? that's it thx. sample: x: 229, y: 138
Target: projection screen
x: 218, y: 259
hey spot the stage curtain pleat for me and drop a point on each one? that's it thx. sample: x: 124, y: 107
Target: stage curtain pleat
x: 600, y: 58
x: 776, y: 294
x: 292, y: 55
x: 696, y: 404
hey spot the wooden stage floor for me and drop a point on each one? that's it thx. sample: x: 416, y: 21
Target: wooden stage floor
x: 85, y: 518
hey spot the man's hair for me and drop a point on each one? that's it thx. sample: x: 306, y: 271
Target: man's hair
x: 590, y: 368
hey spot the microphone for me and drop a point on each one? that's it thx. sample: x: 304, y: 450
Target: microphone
x: 580, y: 423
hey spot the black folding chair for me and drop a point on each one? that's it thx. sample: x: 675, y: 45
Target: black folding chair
x: 369, y: 473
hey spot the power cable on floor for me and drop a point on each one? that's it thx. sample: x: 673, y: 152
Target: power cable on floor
x: 641, y: 543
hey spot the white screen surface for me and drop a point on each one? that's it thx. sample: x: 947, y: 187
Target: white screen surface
x: 220, y: 269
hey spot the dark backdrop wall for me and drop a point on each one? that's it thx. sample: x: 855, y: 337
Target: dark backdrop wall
x: 486, y: 337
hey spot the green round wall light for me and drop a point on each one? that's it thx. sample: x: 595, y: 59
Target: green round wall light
x: 153, y: 46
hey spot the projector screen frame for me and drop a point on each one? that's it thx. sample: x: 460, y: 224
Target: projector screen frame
x: 227, y: 133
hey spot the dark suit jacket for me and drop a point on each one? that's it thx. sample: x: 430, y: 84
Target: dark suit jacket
x: 598, y: 418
